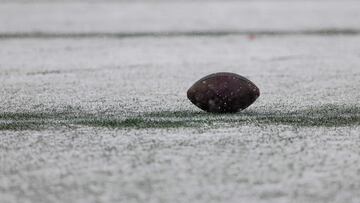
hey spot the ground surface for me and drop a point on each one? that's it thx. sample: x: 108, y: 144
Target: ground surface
x: 93, y: 105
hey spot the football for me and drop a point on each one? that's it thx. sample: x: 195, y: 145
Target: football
x: 223, y: 93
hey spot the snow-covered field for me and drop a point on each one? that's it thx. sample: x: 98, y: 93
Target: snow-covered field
x: 85, y: 118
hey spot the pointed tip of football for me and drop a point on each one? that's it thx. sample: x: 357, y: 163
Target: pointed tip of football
x: 223, y: 93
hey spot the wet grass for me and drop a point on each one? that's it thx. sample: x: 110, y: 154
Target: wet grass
x: 135, y: 122
x: 326, y: 116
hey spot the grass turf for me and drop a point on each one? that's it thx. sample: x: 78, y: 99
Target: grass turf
x: 328, y: 116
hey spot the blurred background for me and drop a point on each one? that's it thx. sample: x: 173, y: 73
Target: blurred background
x: 177, y: 16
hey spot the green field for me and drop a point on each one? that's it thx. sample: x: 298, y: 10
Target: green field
x: 327, y: 116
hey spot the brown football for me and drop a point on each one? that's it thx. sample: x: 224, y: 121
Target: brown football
x: 223, y: 93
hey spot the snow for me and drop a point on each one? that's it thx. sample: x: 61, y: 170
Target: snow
x: 126, y: 77
x: 146, y: 75
x: 249, y: 163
